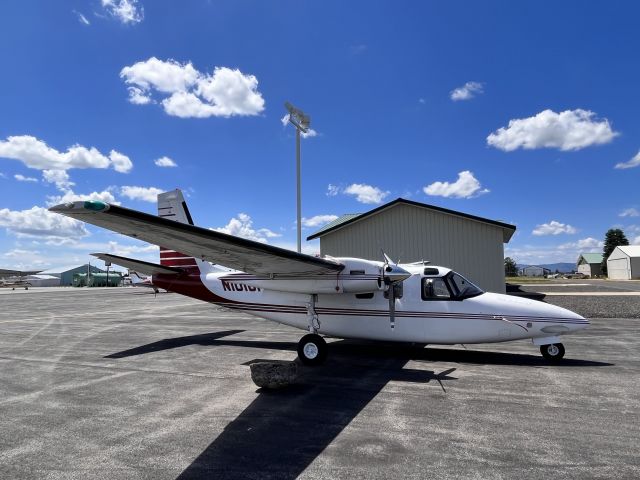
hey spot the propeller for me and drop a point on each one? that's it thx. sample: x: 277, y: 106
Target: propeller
x: 392, y: 275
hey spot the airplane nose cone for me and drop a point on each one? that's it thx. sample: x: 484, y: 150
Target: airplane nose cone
x: 568, y: 319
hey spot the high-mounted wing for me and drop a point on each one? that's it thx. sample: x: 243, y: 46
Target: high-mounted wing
x: 140, y: 266
x: 222, y: 249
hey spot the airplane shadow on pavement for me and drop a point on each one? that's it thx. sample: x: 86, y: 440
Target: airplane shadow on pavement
x: 283, y: 431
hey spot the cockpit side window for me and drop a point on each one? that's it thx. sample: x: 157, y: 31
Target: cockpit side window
x: 435, y: 289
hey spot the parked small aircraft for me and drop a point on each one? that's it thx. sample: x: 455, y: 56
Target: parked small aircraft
x: 336, y: 297
x: 15, y: 278
x: 137, y: 280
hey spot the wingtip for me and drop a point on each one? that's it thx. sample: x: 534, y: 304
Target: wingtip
x: 62, y: 207
x: 80, y: 206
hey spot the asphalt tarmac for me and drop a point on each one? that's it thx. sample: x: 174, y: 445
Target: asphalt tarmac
x: 120, y: 383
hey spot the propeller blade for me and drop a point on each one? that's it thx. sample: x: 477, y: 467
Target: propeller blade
x: 387, y: 260
x: 392, y: 305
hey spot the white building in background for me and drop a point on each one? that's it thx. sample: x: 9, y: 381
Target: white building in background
x: 43, y: 280
x: 624, y: 263
x: 590, y: 264
x: 535, y: 271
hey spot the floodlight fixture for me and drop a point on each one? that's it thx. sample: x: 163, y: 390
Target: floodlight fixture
x: 298, y: 118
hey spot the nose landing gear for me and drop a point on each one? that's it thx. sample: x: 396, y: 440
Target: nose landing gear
x: 312, y: 349
x: 552, y: 352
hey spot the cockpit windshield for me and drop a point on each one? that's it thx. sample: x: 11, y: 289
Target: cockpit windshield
x: 465, y: 289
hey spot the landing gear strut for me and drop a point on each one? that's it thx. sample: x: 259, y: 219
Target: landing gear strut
x: 553, y: 352
x: 312, y: 349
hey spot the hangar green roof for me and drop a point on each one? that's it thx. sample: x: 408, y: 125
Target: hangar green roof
x: 591, y: 257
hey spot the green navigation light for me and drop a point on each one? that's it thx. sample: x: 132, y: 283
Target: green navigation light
x: 95, y: 205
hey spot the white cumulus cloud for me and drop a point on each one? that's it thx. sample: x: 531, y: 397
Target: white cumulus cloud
x: 37, y: 154
x: 634, y: 162
x: 165, y: 162
x: 163, y: 76
x: 467, y: 91
x: 318, y: 220
x: 590, y: 242
x: 242, y: 226
x: 71, y: 196
x: 553, y: 228
x: 22, y: 178
x: 466, y: 186
x: 125, y: 11
x: 630, y: 212
x: 59, y: 177
x: 189, y: 93
x: 40, y: 222
x: 568, y: 130
x: 332, y: 190
x: 366, y: 193
x: 146, y: 194
x: 137, y: 96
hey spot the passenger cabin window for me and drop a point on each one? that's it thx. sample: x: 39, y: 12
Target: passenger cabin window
x: 435, y: 289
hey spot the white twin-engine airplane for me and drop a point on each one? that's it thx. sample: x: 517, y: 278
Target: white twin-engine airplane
x: 335, y: 297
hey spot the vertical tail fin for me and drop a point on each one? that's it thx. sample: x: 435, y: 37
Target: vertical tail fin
x: 171, y: 205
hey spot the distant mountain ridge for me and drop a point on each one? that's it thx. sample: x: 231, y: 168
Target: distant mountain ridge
x: 562, y: 267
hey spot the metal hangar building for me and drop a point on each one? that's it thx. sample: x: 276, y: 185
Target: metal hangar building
x: 624, y: 263
x: 413, y: 232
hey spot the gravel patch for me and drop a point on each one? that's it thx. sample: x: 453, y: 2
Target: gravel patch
x: 599, y: 307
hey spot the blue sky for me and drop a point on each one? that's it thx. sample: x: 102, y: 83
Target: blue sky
x: 523, y: 112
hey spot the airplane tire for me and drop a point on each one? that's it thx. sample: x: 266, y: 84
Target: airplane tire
x: 312, y: 349
x: 553, y: 352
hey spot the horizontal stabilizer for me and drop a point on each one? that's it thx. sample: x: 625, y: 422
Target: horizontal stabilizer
x: 146, y: 268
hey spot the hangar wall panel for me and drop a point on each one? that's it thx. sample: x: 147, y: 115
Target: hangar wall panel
x: 618, y: 268
x: 473, y: 248
x: 584, y: 268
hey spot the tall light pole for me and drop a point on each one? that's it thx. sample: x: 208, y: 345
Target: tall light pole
x: 301, y: 121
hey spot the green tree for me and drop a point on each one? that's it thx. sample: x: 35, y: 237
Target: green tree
x: 613, y: 238
x: 510, y: 268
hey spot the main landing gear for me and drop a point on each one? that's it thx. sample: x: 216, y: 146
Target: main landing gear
x: 312, y: 349
x: 552, y: 352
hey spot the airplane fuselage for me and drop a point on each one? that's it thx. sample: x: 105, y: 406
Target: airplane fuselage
x: 483, y: 318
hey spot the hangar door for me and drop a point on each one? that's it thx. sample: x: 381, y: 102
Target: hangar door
x: 619, y: 269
